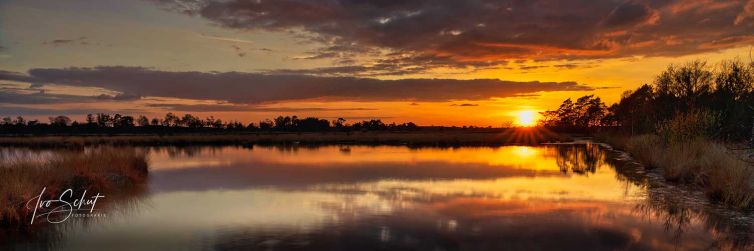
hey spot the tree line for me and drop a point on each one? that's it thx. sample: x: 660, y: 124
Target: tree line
x: 686, y: 100
x: 117, y: 123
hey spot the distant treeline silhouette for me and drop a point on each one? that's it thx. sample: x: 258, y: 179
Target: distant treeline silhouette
x: 688, y: 100
x: 172, y: 123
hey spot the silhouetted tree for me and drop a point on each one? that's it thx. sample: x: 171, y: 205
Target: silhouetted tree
x: 60, y: 121
x: 588, y: 112
x: 266, y: 125
x: 142, y: 120
x: 187, y: 123
x: 170, y: 120
x: 90, y: 120
x: 104, y: 120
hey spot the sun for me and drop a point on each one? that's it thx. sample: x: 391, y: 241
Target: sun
x: 526, y: 118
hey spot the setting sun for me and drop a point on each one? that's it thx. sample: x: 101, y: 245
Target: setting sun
x: 526, y: 118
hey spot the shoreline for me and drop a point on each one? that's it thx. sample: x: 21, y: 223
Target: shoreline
x: 517, y: 136
x: 724, y: 177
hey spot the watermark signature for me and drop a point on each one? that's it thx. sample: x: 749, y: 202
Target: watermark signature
x: 64, y: 207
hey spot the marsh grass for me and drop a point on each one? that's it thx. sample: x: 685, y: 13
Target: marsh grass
x: 104, y: 169
x: 699, y: 161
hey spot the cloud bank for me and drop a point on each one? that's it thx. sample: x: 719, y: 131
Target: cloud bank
x: 424, y: 33
x: 255, y: 88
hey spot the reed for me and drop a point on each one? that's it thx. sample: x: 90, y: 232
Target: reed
x: 701, y: 162
x: 103, y: 169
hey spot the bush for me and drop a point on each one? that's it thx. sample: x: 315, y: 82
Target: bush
x: 689, y: 126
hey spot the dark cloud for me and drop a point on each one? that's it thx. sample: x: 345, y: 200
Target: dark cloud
x: 531, y: 67
x: 246, y: 108
x: 746, y: 13
x: 392, y: 64
x: 58, y: 42
x: 46, y: 98
x: 13, y: 111
x: 463, y: 33
x: 465, y: 105
x: 16, y: 76
x: 629, y: 13
x: 247, y: 88
x: 568, y: 66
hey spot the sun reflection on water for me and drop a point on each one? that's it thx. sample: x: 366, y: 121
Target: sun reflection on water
x: 544, y: 197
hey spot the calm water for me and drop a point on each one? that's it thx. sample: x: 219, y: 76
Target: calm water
x: 564, y: 197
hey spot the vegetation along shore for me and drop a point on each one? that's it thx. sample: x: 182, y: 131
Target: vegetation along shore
x: 694, y: 122
x: 118, y: 173
x: 686, y: 122
x: 190, y: 130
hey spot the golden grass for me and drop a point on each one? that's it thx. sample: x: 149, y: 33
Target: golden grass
x: 103, y: 169
x: 701, y: 162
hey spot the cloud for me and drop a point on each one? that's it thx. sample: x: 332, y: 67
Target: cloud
x: 59, y: 42
x: 531, y: 67
x: 119, y: 97
x: 13, y: 111
x: 249, y: 88
x: 16, y: 76
x: 391, y: 64
x: 246, y: 108
x: 10, y: 97
x: 464, y: 33
x: 465, y: 105
x: 228, y: 39
x: 746, y: 13
x: 238, y: 50
x: 630, y: 13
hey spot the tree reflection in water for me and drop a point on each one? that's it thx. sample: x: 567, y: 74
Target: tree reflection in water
x: 419, y: 218
x: 580, y: 159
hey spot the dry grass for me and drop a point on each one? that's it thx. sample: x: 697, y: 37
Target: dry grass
x: 419, y: 138
x: 723, y: 176
x: 645, y: 148
x: 104, y: 169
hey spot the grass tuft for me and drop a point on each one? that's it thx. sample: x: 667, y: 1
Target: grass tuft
x: 104, y: 169
x: 700, y: 162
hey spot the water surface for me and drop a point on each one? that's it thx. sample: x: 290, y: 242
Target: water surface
x: 557, y: 197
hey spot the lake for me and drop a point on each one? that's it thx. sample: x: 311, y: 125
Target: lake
x: 552, y: 197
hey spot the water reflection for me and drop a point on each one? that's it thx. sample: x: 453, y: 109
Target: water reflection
x: 397, y: 198
x: 580, y: 158
x: 681, y: 211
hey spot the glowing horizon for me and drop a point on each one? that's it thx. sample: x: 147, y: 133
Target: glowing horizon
x: 399, y: 62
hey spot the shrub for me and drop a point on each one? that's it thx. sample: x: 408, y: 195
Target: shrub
x: 689, y: 126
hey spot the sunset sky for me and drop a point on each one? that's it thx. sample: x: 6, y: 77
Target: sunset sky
x: 443, y: 62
